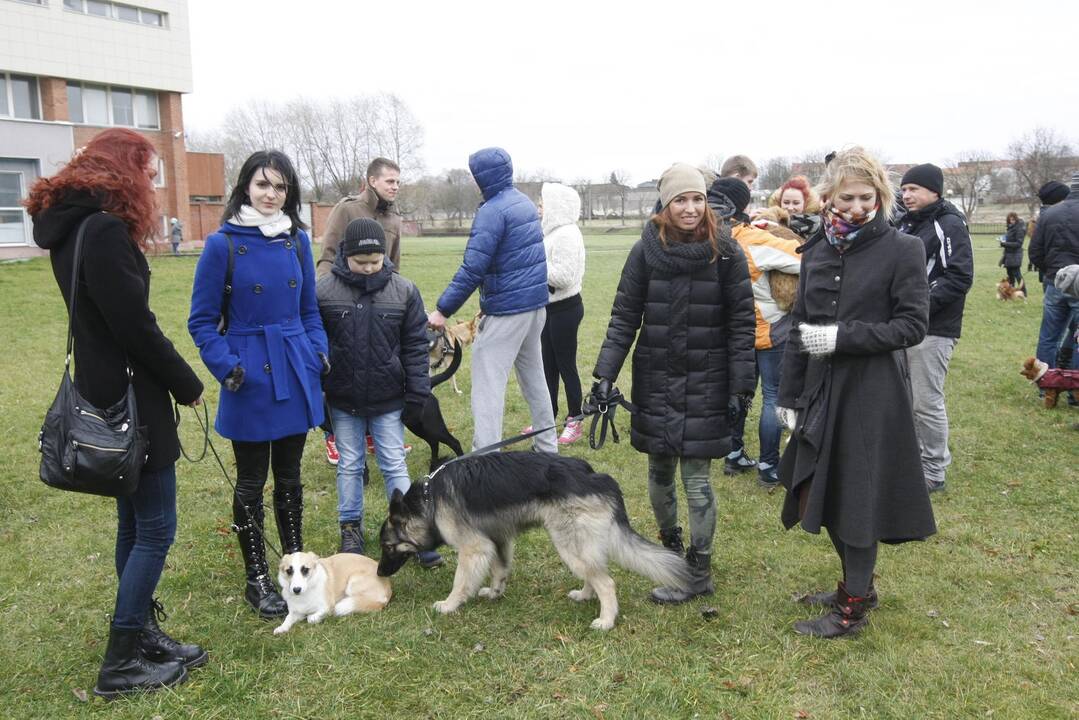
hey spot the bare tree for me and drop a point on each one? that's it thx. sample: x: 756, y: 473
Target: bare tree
x: 584, y: 187
x: 970, y: 179
x: 459, y: 196
x: 402, y: 134
x: 619, y: 179
x: 774, y: 172
x: 1038, y: 157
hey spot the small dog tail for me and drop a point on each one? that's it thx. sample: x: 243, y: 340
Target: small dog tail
x: 454, y: 364
x: 652, y: 561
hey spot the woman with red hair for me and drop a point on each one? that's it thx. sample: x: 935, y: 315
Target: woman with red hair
x: 108, y: 188
x: 800, y: 201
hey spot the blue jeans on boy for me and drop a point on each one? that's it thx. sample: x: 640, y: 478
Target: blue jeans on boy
x: 146, y: 527
x: 768, y: 365
x: 1057, y: 310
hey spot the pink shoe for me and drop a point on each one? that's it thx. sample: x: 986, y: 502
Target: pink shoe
x: 526, y: 430
x: 572, y: 432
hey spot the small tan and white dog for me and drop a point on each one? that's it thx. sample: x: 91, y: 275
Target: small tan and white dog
x: 340, y: 584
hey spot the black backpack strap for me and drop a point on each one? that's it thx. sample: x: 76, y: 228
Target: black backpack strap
x: 223, y: 323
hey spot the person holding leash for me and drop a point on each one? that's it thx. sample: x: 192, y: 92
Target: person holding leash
x: 268, y: 355
x: 853, y: 464
x: 687, y: 281
x: 109, y: 185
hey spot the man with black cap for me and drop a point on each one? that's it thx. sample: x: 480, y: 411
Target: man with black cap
x: 950, y: 269
x: 1055, y: 245
x: 372, y: 316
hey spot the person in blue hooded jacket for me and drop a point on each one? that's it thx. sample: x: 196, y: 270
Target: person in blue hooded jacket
x: 505, y: 260
x: 270, y: 357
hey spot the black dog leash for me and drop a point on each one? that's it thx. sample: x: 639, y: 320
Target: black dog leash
x: 603, y: 416
x: 207, y: 443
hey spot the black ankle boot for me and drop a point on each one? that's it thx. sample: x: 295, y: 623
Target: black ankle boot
x: 260, y: 591
x: 672, y: 539
x: 158, y: 647
x: 847, y: 617
x: 124, y: 669
x: 288, y: 512
x: 700, y: 581
x: 351, y: 537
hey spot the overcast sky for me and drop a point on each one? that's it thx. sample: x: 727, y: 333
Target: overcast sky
x: 581, y: 88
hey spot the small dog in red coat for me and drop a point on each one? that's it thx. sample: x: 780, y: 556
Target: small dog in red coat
x: 1052, y: 381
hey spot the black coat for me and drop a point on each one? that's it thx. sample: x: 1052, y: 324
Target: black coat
x: 854, y: 454
x: 695, y: 346
x: 949, y: 263
x: 1013, y: 244
x: 113, y: 319
x: 377, y: 331
x: 1056, y: 237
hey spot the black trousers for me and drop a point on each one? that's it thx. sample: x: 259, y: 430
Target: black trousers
x: 559, y: 343
x: 1014, y: 277
x: 255, y: 459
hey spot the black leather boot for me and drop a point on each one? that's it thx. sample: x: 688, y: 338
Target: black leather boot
x: 125, y: 670
x: 288, y: 512
x: 351, y: 537
x: 672, y: 539
x: 260, y: 591
x: 157, y: 646
x: 827, y: 599
x: 700, y: 583
x: 847, y: 617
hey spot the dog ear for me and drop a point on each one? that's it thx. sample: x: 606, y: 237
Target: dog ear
x: 397, y: 502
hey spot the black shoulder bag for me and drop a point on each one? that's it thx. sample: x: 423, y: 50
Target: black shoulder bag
x: 223, y: 321
x: 84, y: 448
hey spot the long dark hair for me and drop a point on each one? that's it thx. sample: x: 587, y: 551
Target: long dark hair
x: 707, y: 230
x: 274, y: 160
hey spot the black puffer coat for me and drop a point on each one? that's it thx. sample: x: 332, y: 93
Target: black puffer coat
x: 853, y: 461
x: 1056, y: 237
x: 1013, y: 244
x: 694, y: 348
x: 377, y: 330
x: 113, y: 321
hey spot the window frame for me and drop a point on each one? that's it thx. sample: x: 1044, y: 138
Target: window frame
x: 9, y: 96
x: 144, y: 16
x: 110, y: 120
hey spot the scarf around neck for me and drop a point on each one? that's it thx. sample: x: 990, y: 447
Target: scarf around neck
x: 675, y: 258
x: 842, y: 229
x: 270, y: 225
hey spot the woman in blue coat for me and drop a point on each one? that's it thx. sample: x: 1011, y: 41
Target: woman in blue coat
x: 270, y: 358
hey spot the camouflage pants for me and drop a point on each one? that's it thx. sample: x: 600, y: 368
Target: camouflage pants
x: 696, y: 474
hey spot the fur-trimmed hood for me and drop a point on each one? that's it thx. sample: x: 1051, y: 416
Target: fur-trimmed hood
x: 561, y: 206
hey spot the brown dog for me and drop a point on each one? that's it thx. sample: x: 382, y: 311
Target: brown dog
x: 440, y: 354
x: 1051, y: 381
x: 1005, y: 291
x: 784, y: 286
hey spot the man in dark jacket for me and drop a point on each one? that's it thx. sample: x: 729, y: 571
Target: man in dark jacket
x: 504, y: 258
x: 1055, y: 245
x: 950, y: 271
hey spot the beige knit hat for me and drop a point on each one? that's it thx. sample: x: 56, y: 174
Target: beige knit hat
x: 677, y: 179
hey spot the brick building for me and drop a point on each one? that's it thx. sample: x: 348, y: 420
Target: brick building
x: 72, y: 68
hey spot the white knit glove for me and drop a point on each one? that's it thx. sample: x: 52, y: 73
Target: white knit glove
x: 787, y: 417
x: 818, y: 340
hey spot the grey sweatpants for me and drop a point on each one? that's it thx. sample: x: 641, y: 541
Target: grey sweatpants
x: 928, y: 367
x: 502, y: 342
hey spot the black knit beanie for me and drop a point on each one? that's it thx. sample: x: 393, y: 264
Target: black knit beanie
x: 1052, y: 192
x: 928, y: 176
x: 363, y: 236
x: 735, y: 190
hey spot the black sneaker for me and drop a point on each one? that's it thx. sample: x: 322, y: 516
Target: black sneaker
x: 768, y: 478
x: 740, y: 464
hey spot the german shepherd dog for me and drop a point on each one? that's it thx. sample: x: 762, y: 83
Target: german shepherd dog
x: 479, y: 505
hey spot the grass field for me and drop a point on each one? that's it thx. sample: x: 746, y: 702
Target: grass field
x: 979, y: 621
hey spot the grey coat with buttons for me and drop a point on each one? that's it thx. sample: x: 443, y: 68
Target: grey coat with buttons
x: 853, y: 463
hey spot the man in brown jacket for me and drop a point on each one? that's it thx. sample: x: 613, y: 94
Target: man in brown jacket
x: 375, y: 202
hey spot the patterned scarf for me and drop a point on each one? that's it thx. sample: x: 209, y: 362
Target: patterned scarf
x: 842, y: 229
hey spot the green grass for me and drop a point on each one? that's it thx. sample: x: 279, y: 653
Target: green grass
x: 977, y: 621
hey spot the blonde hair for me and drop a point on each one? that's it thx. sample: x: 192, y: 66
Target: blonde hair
x: 856, y: 165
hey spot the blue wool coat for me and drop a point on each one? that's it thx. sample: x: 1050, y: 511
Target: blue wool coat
x: 275, y: 332
x: 504, y: 256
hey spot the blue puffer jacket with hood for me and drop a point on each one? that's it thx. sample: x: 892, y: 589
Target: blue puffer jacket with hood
x: 504, y: 256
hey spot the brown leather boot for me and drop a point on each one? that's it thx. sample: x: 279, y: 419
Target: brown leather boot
x: 847, y: 617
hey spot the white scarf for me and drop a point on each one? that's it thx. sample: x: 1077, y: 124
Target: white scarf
x: 270, y: 225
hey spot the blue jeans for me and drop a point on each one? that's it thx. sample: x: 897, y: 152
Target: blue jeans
x: 1057, y: 310
x: 389, y: 435
x: 146, y: 527
x: 768, y: 365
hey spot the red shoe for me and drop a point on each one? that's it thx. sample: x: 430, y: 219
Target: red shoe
x: 332, y: 456
x: 370, y: 445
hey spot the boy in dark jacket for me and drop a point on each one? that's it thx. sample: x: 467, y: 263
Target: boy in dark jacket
x: 376, y: 327
x: 949, y: 267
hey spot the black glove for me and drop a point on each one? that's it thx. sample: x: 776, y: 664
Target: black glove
x: 742, y: 402
x: 325, y: 364
x: 234, y: 379
x: 1030, y: 267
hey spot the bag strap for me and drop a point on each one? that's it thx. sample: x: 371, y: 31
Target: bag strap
x: 75, y: 263
x: 229, y: 267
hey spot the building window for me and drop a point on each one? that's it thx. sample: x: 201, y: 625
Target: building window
x: 159, y: 180
x: 115, y: 11
x: 101, y: 105
x: 32, y: 2
x: 13, y: 223
x: 18, y: 96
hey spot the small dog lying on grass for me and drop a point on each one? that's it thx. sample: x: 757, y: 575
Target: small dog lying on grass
x: 1052, y: 381
x: 340, y: 584
x: 1005, y: 291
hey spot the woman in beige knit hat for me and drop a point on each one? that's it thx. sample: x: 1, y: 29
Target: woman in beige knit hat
x: 685, y: 298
